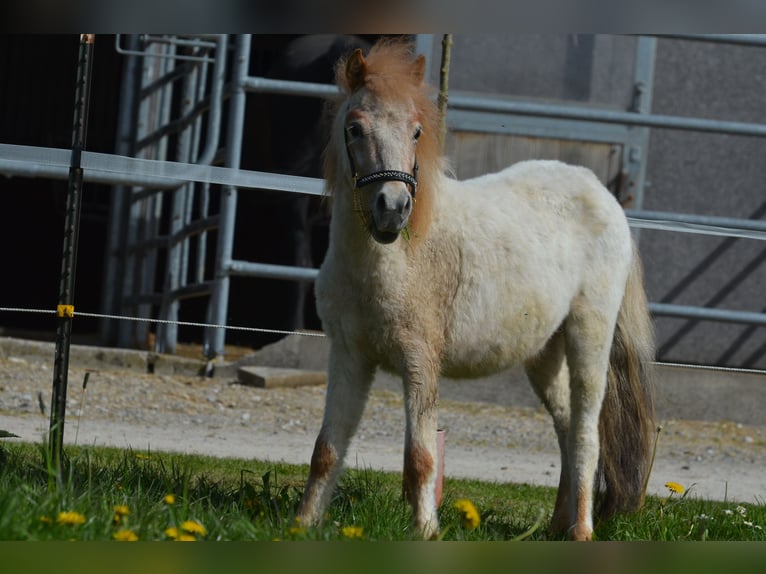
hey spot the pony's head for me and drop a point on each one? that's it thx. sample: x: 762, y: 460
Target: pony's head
x: 385, y: 141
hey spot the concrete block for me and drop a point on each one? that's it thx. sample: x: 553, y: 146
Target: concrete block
x: 279, y: 377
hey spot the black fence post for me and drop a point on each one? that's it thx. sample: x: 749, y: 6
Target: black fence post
x: 65, y: 309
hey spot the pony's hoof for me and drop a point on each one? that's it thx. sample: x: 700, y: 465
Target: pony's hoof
x: 580, y: 533
x: 429, y: 531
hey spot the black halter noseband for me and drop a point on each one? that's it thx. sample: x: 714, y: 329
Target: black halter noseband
x: 384, y: 175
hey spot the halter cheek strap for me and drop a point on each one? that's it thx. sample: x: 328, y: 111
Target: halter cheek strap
x: 384, y: 175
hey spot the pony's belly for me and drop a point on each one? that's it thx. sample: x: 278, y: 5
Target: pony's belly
x: 470, y: 359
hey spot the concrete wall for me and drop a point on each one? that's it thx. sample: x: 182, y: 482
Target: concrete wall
x: 687, y: 172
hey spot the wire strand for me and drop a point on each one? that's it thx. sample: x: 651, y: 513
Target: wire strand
x: 319, y: 334
x: 168, y: 322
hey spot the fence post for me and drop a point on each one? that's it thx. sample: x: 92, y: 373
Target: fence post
x: 65, y: 309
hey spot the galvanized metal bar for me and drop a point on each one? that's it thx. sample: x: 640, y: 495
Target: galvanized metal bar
x: 739, y: 39
x: 713, y: 221
x: 707, y: 314
x: 271, y: 271
x: 145, y: 213
x: 636, y: 146
x: 214, y: 339
x: 288, y: 87
x: 167, y: 330
x: 69, y: 255
x: 157, y: 40
x: 575, y: 130
x: 510, y: 106
x: 153, y: 176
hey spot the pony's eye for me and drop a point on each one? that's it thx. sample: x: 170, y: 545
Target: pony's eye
x: 354, y: 130
x: 418, y: 132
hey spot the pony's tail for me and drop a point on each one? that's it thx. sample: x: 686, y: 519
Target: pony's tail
x: 627, y: 423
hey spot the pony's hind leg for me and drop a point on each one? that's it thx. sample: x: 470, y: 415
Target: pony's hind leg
x: 549, y: 375
x: 348, y: 385
x: 589, y: 333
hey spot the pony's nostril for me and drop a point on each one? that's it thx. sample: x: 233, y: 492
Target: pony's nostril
x: 407, y: 203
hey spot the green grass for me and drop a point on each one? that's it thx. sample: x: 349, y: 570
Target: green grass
x: 249, y: 500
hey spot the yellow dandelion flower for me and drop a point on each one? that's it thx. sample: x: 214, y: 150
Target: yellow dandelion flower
x: 675, y: 487
x: 141, y: 456
x: 352, y: 531
x: 121, y: 510
x: 296, y: 531
x: 169, y: 499
x: 125, y: 535
x: 71, y: 517
x: 468, y: 513
x: 172, y: 532
x: 45, y: 519
x: 186, y: 538
x: 193, y: 527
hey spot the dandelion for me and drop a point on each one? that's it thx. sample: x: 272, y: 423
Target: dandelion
x: 120, y: 510
x: 125, y: 535
x: 193, y: 527
x: 352, y: 531
x: 172, y: 532
x: 675, y: 487
x: 45, y: 519
x: 296, y: 531
x: 71, y: 517
x: 141, y: 456
x: 468, y: 513
x: 169, y: 499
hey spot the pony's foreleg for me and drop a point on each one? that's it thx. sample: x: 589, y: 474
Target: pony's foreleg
x: 588, y: 342
x: 348, y: 385
x: 420, y: 394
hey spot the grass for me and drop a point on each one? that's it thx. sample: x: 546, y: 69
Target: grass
x: 113, y: 494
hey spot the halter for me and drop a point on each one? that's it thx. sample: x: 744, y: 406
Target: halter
x: 384, y: 175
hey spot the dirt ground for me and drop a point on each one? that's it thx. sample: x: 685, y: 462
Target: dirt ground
x: 219, y: 417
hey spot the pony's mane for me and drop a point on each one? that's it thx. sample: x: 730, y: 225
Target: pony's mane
x: 389, y: 76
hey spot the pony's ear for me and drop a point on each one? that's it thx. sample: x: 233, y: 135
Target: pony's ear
x: 418, y: 69
x: 356, y: 70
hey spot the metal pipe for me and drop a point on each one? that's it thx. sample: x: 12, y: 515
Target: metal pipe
x: 214, y: 339
x: 458, y: 101
x: 707, y: 314
x: 154, y: 175
x: 738, y: 39
x: 702, y: 220
x: 288, y: 87
x: 271, y: 271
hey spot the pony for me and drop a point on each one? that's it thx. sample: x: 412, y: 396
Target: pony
x: 427, y: 276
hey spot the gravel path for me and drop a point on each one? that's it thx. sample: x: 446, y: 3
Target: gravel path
x: 484, y: 441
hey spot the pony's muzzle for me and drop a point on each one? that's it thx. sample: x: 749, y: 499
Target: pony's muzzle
x: 391, y: 209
